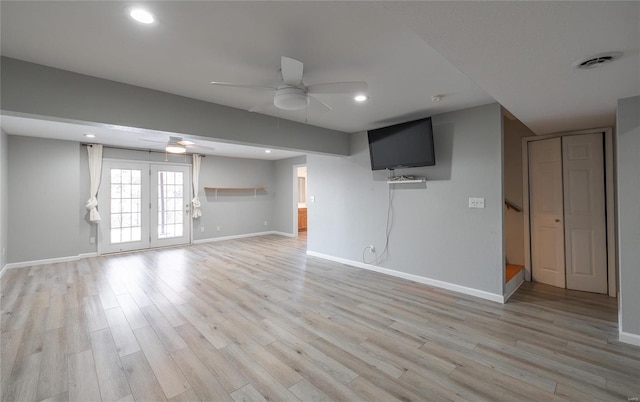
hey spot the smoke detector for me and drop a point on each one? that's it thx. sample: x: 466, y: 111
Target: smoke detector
x: 596, y: 60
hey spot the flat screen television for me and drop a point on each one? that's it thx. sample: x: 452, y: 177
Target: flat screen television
x: 402, y: 145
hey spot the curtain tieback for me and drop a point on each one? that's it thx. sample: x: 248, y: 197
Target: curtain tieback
x: 196, y: 213
x: 94, y: 215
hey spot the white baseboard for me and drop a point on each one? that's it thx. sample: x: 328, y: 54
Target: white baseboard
x: 420, y: 279
x: 240, y: 236
x: 23, y: 264
x: 87, y: 255
x: 629, y: 338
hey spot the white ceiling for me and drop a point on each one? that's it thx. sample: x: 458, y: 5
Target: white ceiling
x: 518, y: 53
x: 521, y: 53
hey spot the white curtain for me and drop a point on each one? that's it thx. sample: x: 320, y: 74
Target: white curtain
x: 196, y: 213
x: 95, y: 170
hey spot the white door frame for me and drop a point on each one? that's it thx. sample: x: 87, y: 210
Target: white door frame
x: 149, y: 163
x: 155, y: 241
x: 296, y: 197
x: 609, y: 202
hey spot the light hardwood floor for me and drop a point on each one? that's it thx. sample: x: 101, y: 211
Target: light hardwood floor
x: 256, y: 319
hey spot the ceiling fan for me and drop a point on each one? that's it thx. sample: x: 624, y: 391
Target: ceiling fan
x: 293, y: 94
x: 178, y: 145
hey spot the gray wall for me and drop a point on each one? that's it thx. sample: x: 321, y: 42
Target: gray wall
x: 628, y: 193
x: 514, y: 132
x: 34, y: 89
x: 434, y: 234
x: 43, y: 195
x: 4, y: 195
x: 236, y: 212
x: 48, y: 218
x: 283, y: 206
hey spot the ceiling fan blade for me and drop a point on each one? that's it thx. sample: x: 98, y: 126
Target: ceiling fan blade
x: 291, y: 71
x: 240, y: 85
x: 338, y: 88
x: 324, y: 106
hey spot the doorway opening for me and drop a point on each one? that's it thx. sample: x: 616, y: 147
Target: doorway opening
x: 301, y: 199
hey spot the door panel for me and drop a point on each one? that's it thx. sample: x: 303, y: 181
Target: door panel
x: 124, y: 195
x: 170, y: 190
x: 584, y: 203
x: 546, y: 204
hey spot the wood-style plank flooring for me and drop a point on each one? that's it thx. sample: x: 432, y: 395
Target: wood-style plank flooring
x: 256, y: 319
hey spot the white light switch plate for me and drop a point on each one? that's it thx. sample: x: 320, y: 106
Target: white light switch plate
x: 476, y: 202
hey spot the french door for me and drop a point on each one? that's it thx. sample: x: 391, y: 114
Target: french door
x: 143, y: 205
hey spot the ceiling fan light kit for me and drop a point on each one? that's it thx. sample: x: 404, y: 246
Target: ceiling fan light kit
x: 290, y: 98
x: 174, y: 146
x: 176, y: 149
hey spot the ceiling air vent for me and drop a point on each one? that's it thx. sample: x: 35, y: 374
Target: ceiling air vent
x: 597, y: 60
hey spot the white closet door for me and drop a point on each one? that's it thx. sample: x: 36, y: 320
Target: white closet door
x: 546, y: 204
x: 584, y: 213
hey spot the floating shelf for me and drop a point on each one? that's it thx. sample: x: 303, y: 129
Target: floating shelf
x: 255, y: 189
x: 406, y: 181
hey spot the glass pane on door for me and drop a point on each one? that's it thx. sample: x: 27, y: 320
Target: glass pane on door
x: 126, y: 198
x: 170, y: 204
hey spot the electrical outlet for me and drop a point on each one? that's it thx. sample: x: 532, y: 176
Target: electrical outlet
x: 312, y: 198
x: 476, y: 202
x: 201, y: 229
x: 372, y: 248
x: 92, y: 240
x: 217, y: 228
x: 266, y: 223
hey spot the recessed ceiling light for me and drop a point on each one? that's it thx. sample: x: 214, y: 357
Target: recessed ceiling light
x: 142, y: 16
x: 90, y: 135
x: 436, y: 98
x: 267, y: 151
x: 360, y: 98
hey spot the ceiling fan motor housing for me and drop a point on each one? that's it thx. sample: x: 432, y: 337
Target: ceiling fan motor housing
x: 290, y: 98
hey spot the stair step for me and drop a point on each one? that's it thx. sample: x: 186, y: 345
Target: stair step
x: 512, y: 270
